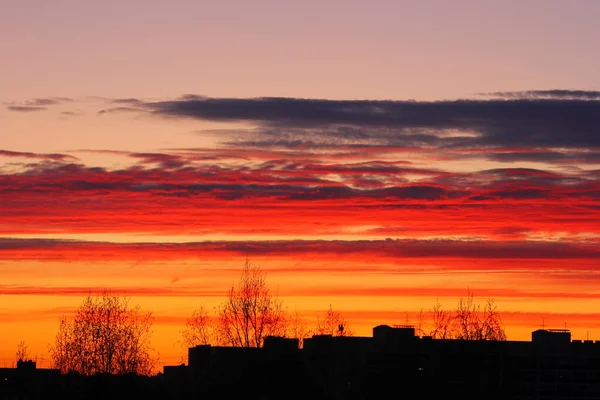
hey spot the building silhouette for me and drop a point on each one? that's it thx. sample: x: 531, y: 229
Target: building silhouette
x: 393, y: 363
x: 27, y: 382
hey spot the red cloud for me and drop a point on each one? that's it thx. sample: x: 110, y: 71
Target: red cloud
x: 176, y: 194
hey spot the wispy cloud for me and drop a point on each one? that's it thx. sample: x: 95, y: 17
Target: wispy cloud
x: 26, y: 108
x: 47, y: 101
x: 121, y: 109
x: 548, y: 94
x: 387, y: 249
x: 71, y: 113
x: 36, y: 104
x: 558, y: 121
x: 42, y: 156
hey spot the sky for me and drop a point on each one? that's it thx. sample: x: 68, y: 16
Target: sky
x: 373, y: 156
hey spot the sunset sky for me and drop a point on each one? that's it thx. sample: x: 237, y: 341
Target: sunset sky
x: 372, y: 155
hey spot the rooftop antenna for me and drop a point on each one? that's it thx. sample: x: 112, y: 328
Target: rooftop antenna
x: 406, y: 316
x: 543, y: 324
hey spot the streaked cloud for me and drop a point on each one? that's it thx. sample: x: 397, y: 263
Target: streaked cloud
x: 39, y: 249
x: 378, y: 207
x: 25, y: 108
x: 36, y: 104
x: 560, y: 122
x: 548, y: 94
x: 42, y: 156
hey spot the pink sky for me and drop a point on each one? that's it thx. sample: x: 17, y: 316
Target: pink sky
x: 110, y: 176
x: 322, y: 49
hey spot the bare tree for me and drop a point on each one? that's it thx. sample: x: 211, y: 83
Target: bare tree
x: 250, y: 312
x: 469, y: 321
x: 493, y: 329
x: 442, y: 322
x: 105, y: 335
x: 420, y: 328
x: 296, y: 327
x: 22, y: 352
x: 198, y: 329
x: 466, y: 321
x: 474, y: 323
x: 333, y: 323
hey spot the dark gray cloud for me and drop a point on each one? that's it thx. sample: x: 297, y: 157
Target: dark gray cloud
x: 399, y: 248
x: 25, y: 108
x: 548, y: 94
x: 129, y: 101
x: 171, y: 177
x: 163, y: 160
x: 36, y: 104
x: 47, y: 101
x: 521, y: 194
x: 233, y: 191
x: 115, y: 110
x: 416, y: 192
x: 558, y: 157
x: 41, y: 156
x: 333, y: 137
x: 71, y: 113
x: 551, y: 122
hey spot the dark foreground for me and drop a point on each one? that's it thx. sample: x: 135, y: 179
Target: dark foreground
x: 393, y: 364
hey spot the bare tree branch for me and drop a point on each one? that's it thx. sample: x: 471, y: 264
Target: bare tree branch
x: 469, y: 321
x: 333, y: 323
x: 22, y: 352
x: 442, y: 322
x: 106, y: 335
x: 297, y: 328
x: 250, y: 312
x: 198, y: 329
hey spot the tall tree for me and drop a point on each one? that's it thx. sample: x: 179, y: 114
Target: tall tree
x: 105, y: 335
x: 250, y: 312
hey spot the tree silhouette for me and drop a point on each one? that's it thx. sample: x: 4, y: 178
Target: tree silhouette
x: 442, y: 322
x: 473, y: 323
x: 296, y: 327
x: 333, y: 323
x: 419, y: 328
x: 250, y: 312
x: 105, y: 335
x: 469, y: 321
x: 22, y: 352
x: 198, y: 329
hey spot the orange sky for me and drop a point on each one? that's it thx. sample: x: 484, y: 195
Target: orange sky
x: 172, y: 230
x: 373, y: 156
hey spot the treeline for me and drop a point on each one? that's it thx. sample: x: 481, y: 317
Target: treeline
x: 106, y: 335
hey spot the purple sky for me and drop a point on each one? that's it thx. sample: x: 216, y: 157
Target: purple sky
x: 325, y: 49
